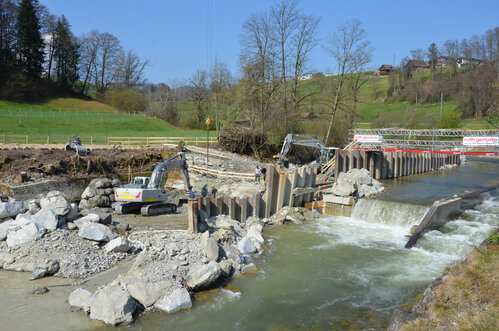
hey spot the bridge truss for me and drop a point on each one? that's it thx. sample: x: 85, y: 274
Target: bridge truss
x: 428, y: 139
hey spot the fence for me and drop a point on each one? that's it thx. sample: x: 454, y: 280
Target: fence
x: 94, y: 140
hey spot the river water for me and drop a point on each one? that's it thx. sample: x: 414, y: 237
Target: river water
x: 332, y: 273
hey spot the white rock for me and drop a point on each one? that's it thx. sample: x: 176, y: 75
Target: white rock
x: 81, y: 299
x: 33, y: 207
x: 88, y: 193
x: 203, y: 275
x: 245, y: 246
x: 57, y: 203
x: 147, y: 293
x: 211, y: 249
x: 47, y: 218
x: 4, y: 228
x: 256, y: 237
x: 179, y: 299
x: 24, y: 234
x: 10, y: 209
x: 113, y: 305
x: 96, y: 232
x: 120, y: 244
x: 90, y: 218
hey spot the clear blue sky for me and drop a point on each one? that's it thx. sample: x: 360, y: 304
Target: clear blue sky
x: 173, y: 35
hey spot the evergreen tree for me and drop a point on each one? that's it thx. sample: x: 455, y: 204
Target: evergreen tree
x: 29, y: 41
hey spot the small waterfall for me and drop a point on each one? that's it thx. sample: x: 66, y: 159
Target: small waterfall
x: 388, y: 212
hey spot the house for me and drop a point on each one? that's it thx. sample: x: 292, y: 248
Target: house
x: 385, y: 69
x: 442, y: 62
x: 412, y: 65
x: 465, y: 62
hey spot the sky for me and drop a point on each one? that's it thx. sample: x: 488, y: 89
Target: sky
x: 182, y: 36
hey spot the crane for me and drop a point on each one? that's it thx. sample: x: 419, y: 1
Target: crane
x: 145, y: 193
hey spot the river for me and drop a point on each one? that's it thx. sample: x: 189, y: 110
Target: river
x: 332, y: 273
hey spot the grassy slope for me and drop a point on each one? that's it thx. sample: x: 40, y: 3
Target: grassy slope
x: 86, y: 118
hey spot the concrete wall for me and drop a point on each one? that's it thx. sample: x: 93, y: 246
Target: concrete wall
x: 445, y: 210
x: 72, y: 188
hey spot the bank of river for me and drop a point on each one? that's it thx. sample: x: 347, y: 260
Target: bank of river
x: 331, y: 273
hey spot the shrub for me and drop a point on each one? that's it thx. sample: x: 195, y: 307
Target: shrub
x: 129, y: 100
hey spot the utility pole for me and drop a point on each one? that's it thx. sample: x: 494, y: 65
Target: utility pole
x: 208, y: 122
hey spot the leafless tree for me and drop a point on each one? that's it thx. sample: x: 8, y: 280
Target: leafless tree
x: 348, y: 46
x: 89, y: 47
x: 284, y: 18
x: 49, y: 25
x: 199, y: 85
x: 418, y: 54
x: 220, y: 81
x: 108, y: 52
x: 129, y: 71
x: 302, y: 44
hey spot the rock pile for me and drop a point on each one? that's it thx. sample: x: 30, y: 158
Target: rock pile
x: 172, y: 265
x: 357, y: 183
x: 99, y: 193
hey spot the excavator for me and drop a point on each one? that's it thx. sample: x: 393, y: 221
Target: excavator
x: 145, y: 193
x: 325, y: 153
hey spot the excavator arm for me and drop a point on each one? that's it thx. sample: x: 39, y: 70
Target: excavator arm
x: 292, y: 139
x: 175, y: 162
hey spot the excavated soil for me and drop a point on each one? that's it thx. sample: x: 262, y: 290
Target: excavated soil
x: 44, y: 163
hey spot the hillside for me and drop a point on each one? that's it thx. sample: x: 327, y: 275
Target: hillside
x: 72, y: 116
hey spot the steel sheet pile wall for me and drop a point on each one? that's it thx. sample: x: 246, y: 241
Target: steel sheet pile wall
x: 282, y: 188
x: 383, y: 165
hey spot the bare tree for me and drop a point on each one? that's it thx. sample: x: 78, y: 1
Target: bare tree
x: 258, y: 65
x: 221, y: 79
x: 49, y: 26
x: 198, y: 92
x: 303, y: 42
x: 418, y: 54
x: 284, y: 19
x: 129, y: 71
x: 108, y: 52
x: 89, y: 47
x: 347, y: 46
x: 170, y: 98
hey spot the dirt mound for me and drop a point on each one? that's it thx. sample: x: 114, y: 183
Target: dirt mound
x: 39, y: 164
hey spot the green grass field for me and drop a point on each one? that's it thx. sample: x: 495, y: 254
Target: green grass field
x: 97, y: 120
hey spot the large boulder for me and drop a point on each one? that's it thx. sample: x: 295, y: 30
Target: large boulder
x: 256, y: 237
x: 203, y: 275
x: 100, y: 183
x: 211, y: 249
x: 343, y: 189
x: 47, y: 218
x: 113, y: 305
x: 96, y: 232
x: 81, y: 299
x: 44, y: 268
x: 245, y: 246
x: 10, y: 209
x: 88, y: 193
x: 4, y: 228
x: 90, y: 218
x: 55, y: 201
x: 25, y: 233
x: 120, y: 244
x: 179, y: 299
x: 98, y: 201
x: 147, y: 293
x: 105, y: 217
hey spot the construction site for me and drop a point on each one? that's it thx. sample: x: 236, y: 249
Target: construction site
x: 168, y: 222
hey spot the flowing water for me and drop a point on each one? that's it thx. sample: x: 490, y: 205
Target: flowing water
x: 331, y: 273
